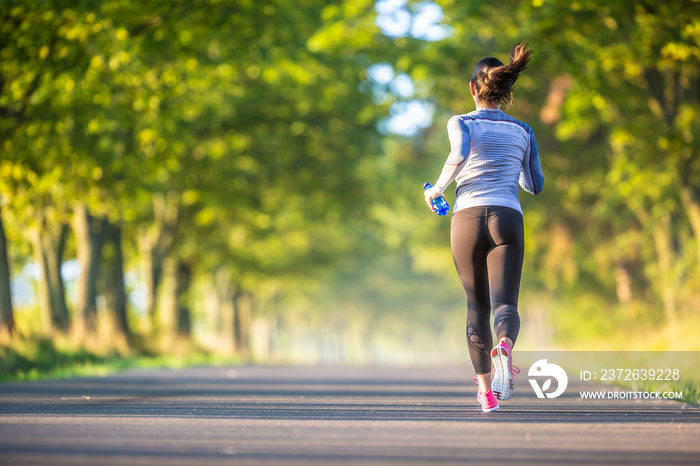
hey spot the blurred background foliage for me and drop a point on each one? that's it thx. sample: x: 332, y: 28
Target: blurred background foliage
x: 244, y: 177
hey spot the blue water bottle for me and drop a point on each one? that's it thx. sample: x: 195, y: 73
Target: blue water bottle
x: 439, y: 203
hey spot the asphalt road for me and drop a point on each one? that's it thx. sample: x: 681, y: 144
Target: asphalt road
x: 328, y: 415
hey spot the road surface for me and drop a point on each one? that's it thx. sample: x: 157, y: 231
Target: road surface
x: 328, y: 415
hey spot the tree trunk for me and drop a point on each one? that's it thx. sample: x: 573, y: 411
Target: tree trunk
x: 89, y: 237
x: 663, y: 241
x: 183, y: 280
x: 663, y: 244
x: 175, y: 320
x: 691, y: 203
x: 243, y: 318
x: 167, y: 306
x: 151, y: 270
x: 155, y: 241
x: 623, y: 284
x: 114, y: 291
x: 7, y: 320
x: 48, y: 242
x: 225, y: 312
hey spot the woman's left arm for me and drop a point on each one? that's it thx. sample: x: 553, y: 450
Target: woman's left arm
x: 531, y: 177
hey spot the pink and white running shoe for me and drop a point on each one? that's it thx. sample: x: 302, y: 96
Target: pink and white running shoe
x: 502, y: 384
x: 488, y: 401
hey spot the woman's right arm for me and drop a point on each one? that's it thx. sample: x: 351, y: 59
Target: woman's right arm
x: 459, y: 152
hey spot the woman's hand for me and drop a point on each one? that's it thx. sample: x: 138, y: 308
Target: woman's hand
x: 430, y: 194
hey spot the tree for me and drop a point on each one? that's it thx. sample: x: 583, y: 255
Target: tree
x: 7, y: 321
x: 635, y: 65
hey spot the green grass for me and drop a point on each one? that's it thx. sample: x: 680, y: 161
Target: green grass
x: 691, y: 394
x: 41, y: 358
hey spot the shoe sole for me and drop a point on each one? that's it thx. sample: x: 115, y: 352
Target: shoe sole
x: 502, y: 384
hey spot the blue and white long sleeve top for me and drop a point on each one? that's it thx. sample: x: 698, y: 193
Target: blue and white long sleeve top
x: 491, y: 153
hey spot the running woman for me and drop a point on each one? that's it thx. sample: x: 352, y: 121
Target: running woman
x: 491, y: 153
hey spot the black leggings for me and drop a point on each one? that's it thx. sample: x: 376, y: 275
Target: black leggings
x: 488, y: 247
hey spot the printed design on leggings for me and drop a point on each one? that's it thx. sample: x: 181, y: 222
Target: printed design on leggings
x: 474, y: 338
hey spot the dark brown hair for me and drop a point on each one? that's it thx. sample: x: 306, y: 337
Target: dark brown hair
x: 494, y: 80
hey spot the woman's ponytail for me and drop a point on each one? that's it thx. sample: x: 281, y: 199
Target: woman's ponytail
x: 494, y: 81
